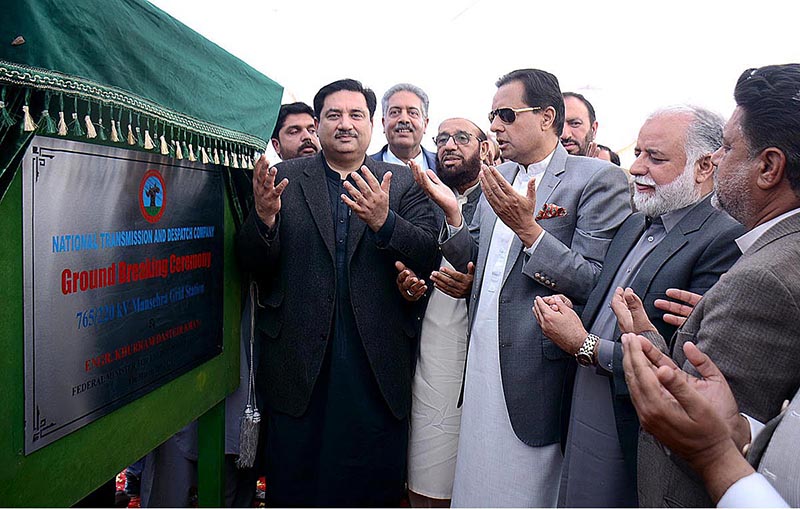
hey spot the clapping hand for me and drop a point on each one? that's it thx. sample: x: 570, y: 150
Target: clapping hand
x: 631, y: 316
x: 697, y: 418
x: 370, y: 201
x: 677, y: 313
x: 438, y: 192
x: 514, y: 209
x: 454, y: 283
x: 559, y: 322
x: 410, y: 286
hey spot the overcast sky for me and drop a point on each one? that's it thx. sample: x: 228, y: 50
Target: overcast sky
x: 628, y: 57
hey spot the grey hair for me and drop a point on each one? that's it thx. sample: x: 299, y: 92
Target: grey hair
x: 704, y: 135
x: 406, y: 87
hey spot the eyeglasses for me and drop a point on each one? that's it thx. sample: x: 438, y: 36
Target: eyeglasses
x: 509, y: 115
x: 460, y: 138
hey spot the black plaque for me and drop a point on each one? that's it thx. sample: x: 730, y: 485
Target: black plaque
x: 123, y: 264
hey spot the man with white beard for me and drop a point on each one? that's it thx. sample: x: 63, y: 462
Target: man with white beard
x: 676, y: 240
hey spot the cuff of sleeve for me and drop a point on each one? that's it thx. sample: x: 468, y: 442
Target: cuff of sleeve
x: 755, y: 426
x: 264, y: 230
x: 752, y: 491
x: 605, y: 357
x: 384, y: 234
x: 452, y: 230
x: 529, y: 250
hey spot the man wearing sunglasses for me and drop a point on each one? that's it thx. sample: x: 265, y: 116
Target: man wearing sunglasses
x: 542, y: 227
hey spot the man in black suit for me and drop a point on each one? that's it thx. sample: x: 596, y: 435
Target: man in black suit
x: 677, y: 239
x: 337, y: 338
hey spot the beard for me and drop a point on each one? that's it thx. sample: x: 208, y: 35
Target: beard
x: 733, y: 196
x: 678, y: 194
x: 459, y: 175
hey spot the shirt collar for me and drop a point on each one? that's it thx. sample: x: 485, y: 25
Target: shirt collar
x: 389, y: 157
x: 537, y: 168
x: 469, y: 190
x: 673, y: 217
x: 747, y: 240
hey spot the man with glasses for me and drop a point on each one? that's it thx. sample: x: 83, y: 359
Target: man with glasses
x: 542, y: 227
x: 435, y: 416
x: 405, y: 118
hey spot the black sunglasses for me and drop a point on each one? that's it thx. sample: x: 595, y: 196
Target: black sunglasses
x: 460, y: 138
x: 509, y: 115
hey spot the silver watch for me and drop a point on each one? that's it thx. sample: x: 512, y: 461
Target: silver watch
x: 585, y: 354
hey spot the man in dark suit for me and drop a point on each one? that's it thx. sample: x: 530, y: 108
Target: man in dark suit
x: 676, y: 239
x: 746, y: 323
x: 542, y: 226
x: 337, y: 338
x: 405, y: 118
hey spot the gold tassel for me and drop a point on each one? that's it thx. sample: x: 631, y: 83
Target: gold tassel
x: 62, y: 124
x: 131, y: 137
x: 250, y: 163
x: 216, y: 156
x: 114, y: 134
x: 225, y: 159
x: 164, y: 147
x: 178, y: 150
x: 148, y: 140
x: 191, y: 153
x: 235, y: 163
x: 27, y: 122
x: 91, y: 132
x: 204, y: 155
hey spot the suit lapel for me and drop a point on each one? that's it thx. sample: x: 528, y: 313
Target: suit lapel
x: 357, y: 226
x: 785, y: 227
x: 623, y: 242
x: 315, y: 191
x: 672, y: 243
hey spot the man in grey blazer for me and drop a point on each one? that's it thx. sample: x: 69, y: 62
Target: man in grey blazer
x: 688, y: 415
x: 677, y: 239
x: 337, y: 339
x: 747, y: 323
x: 542, y: 227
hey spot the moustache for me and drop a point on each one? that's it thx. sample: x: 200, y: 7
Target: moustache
x: 308, y: 144
x: 404, y: 125
x: 340, y: 133
x: 644, y: 180
x: 565, y: 141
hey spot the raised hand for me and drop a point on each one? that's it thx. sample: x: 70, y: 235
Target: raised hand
x: 267, y: 195
x: 677, y: 313
x: 370, y: 201
x: 559, y: 323
x: 592, y: 150
x: 631, y: 316
x: 438, y: 192
x: 410, y: 286
x: 514, y: 209
x: 696, y: 418
x: 454, y: 283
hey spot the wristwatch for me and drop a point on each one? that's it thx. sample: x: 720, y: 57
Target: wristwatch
x: 585, y: 355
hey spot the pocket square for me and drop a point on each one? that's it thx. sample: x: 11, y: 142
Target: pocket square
x: 551, y: 210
